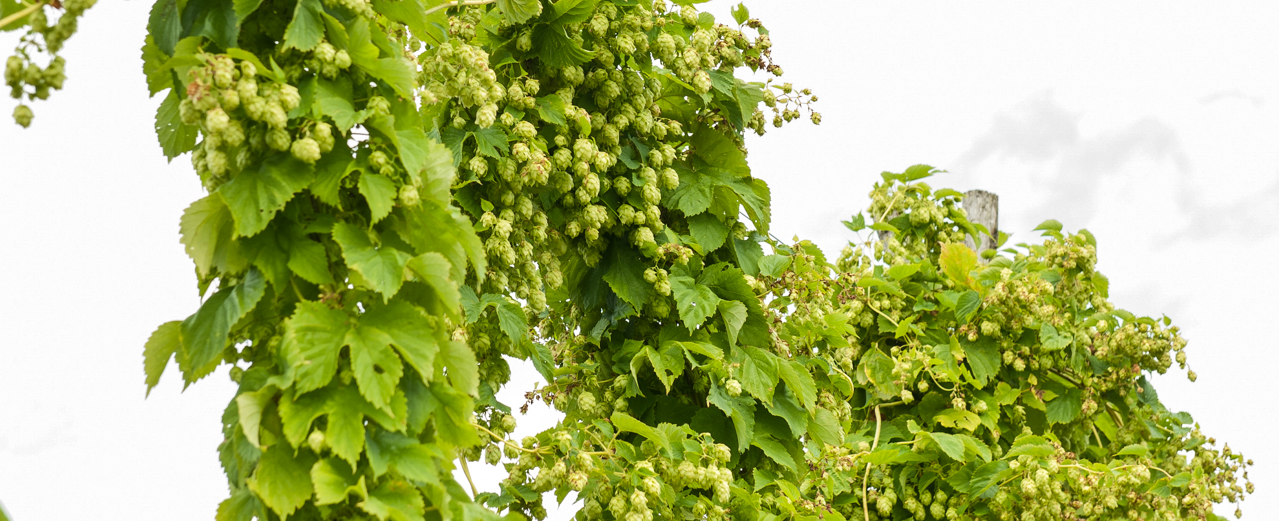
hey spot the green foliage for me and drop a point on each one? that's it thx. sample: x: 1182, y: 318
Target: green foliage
x: 403, y: 193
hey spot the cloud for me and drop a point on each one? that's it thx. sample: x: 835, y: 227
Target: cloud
x: 1070, y: 168
x: 1225, y: 95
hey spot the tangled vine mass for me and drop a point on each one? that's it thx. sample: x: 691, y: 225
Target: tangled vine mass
x: 405, y: 194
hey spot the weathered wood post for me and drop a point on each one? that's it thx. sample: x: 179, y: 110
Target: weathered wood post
x: 982, y: 208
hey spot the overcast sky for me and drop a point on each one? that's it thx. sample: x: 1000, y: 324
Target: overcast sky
x: 1152, y: 124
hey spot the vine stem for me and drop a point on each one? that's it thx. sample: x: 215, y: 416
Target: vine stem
x: 456, y: 3
x: 461, y: 458
x: 866, y: 475
x: 18, y: 15
x: 503, y: 440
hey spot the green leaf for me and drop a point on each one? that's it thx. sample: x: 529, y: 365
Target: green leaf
x: 512, y: 321
x: 1050, y: 225
x: 491, y: 142
x: 377, y: 369
x: 1051, y: 339
x: 967, y: 305
x: 734, y: 315
x: 694, y: 301
x: 1065, y: 408
x: 957, y: 419
x: 902, y: 271
x: 204, y: 334
x: 556, y: 49
x: 313, y: 337
x: 165, y: 26
x: 256, y: 194
x: 952, y: 445
x: 364, y: 55
x: 214, y: 19
x: 241, y: 506
x: 410, y: 331
x: 957, y: 260
x: 160, y: 348
x: 668, y: 363
x: 333, y: 97
x: 799, y: 381
x: 307, y: 28
x: 774, y: 450
x: 857, y: 223
x: 463, y: 369
x: 380, y: 192
x: 986, y: 476
x: 708, y: 231
x: 433, y: 269
x: 159, y: 77
x: 551, y: 109
x: 382, y: 267
x: 250, y: 406
x: 758, y: 372
x: 244, y: 8
x: 519, y: 11
x: 625, y: 274
x: 984, y: 359
x: 824, y: 427
x: 283, y: 480
x: 786, y: 407
x: 345, y: 431
x: 396, y: 500
x: 740, y: 13
x: 739, y: 409
x: 1133, y: 450
x: 309, y: 260
x: 627, y: 423
x: 175, y: 137
x: 774, y: 265
x: 335, y: 481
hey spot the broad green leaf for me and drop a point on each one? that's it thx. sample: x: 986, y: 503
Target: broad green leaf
x: 556, y: 49
x: 967, y: 305
x: 758, y: 372
x: 256, y: 194
x: 1065, y: 408
x: 787, y: 407
x: 395, y: 71
x: 1051, y: 339
x: 708, y: 231
x: 824, y: 427
x: 307, y: 28
x: 313, y: 337
x: 433, y: 269
x: 740, y: 13
x: 739, y: 409
x: 334, y: 481
x: 774, y: 450
x: 551, y: 109
x: 380, y: 192
x: 984, y: 359
x: 1133, y: 450
x: 241, y: 506
x: 974, y: 447
x: 799, y: 381
x: 627, y: 423
x: 902, y: 271
x: 668, y: 363
x: 214, y: 19
x: 345, y: 431
x: 158, y: 76
x: 625, y: 275
x: 462, y: 366
x: 1051, y: 225
x: 283, y: 480
x: 250, y: 406
x: 309, y: 260
x: 512, y: 321
x: 957, y: 260
x: 175, y: 136
x: 694, y: 301
x: 409, y: 331
x: 382, y: 267
x: 952, y: 445
x: 957, y: 419
x: 395, y: 499
x: 986, y: 476
x: 333, y: 98
x: 774, y: 265
x: 160, y: 348
x: 702, y: 348
x: 204, y: 334
x: 734, y: 315
x: 519, y: 11
x: 244, y: 8
x: 165, y: 26
x: 377, y: 369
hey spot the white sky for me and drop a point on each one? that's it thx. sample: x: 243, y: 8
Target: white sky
x: 1152, y: 124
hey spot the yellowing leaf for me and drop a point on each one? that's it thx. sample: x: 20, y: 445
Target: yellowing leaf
x: 957, y: 260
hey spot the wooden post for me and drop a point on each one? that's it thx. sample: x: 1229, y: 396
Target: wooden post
x: 982, y: 208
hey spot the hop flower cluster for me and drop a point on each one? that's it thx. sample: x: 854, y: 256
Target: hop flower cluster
x: 26, y: 78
